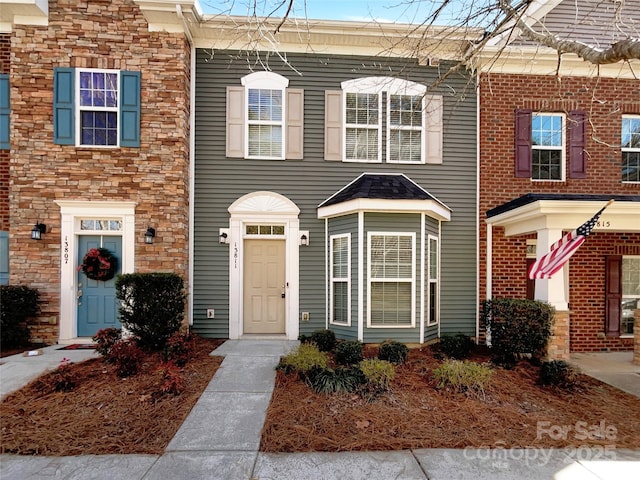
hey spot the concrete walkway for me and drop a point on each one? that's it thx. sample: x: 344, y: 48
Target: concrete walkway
x: 614, y: 368
x: 221, y: 436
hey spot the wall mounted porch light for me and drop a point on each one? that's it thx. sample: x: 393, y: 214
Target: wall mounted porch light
x: 37, y: 231
x: 304, y: 238
x: 223, y: 237
x: 149, y: 235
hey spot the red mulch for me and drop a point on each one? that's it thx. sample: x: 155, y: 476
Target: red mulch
x: 104, y: 413
x: 417, y: 414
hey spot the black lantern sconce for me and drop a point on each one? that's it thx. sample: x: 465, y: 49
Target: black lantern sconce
x: 223, y: 237
x: 37, y: 231
x: 149, y: 235
x: 304, y: 238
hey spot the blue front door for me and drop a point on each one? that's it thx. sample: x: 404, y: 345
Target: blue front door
x: 97, y: 304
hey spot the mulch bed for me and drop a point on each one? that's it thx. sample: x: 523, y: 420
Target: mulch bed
x: 104, y: 414
x: 417, y: 414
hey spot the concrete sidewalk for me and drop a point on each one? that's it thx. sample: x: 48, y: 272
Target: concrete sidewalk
x: 221, y: 436
x: 614, y: 368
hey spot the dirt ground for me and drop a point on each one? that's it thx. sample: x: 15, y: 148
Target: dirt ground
x: 515, y: 411
x: 105, y: 414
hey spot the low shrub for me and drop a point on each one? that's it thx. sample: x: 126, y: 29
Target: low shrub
x: 304, y: 358
x: 456, y: 346
x: 327, y: 380
x: 378, y: 373
x: 126, y: 357
x: 558, y: 373
x: 393, y: 351
x: 179, y: 349
x: 463, y: 376
x: 324, y: 339
x: 349, y: 352
x: 517, y: 327
x: 105, y: 339
x: 18, y: 302
x: 170, y: 378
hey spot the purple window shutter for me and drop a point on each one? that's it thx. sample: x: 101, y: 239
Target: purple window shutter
x: 577, y: 143
x: 613, y: 294
x: 523, y: 143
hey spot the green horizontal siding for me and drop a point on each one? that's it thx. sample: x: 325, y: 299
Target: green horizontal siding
x: 219, y: 181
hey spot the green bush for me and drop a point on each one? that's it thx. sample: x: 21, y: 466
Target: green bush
x: 378, y: 373
x: 18, y: 302
x: 558, y: 373
x: 463, y: 376
x: 105, y: 339
x: 456, y: 346
x: 517, y: 326
x: 349, y: 352
x: 324, y: 339
x: 304, y: 358
x: 327, y: 380
x: 152, y: 306
x: 392, y: 351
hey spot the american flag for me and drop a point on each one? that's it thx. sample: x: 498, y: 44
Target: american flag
x: 547, y: 265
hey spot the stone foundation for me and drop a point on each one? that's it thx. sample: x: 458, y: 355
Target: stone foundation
x: 558, y: 348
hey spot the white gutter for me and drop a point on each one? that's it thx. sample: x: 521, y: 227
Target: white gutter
x: 192, y: 156
x: 478, y: 163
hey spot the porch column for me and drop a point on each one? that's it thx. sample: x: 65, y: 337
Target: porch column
x: 552, y: 290
x: 636, y: 337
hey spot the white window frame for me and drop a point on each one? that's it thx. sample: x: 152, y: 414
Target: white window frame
x: 79, y: 108
x: 408, y: 128
x: 627, y: 149
x: 561, y: 148
x: 433, y: 280
x: 345, y: 279
x: 378, y: 86
x: 265, y: 81
x: 411, y: 280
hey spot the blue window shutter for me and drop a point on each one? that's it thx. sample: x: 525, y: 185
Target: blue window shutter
x: 129, y: 109
x: 5, y: 110
x: 63, y: 106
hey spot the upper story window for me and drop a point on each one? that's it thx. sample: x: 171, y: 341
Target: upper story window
x: 547, y: 143
x: 362, y: 126
x: 405, y: 128
x: 630, y: 148
x: 96, y: 108
x: 550, y: 146
x: 264, y: 118
x: 378, y: 109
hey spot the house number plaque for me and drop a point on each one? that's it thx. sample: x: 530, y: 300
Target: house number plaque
x: 65, y: 253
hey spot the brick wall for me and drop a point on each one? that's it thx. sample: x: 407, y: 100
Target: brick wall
x: 97, y: 34
x: 605, y: 100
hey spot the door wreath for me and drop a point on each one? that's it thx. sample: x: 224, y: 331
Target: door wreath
x: 99, y: 264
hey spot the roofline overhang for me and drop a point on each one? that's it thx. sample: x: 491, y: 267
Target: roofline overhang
x: 537, y: 60
x: 231, y: 32
x: 23, y: 12
x: 566, y: 215
x: 431, y: 208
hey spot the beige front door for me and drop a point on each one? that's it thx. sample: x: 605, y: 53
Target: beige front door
x: 264, y: 286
